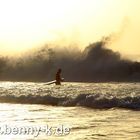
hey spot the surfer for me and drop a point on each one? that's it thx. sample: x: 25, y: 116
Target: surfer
x: 58, y: 77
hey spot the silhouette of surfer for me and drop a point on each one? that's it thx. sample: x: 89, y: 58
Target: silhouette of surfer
x: 58, y: 77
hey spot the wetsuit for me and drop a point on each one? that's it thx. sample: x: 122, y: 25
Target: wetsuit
x: 58, y: 78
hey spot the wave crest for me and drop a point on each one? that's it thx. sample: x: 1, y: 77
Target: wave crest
x: 98, y: 101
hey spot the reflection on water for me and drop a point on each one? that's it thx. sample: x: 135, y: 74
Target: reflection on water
x: 83, y: 122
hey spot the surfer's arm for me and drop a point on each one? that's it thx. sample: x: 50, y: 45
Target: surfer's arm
x: 62, y: 79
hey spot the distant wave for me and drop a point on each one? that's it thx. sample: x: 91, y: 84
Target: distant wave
x: 95, y: 63
x: 98, y: 101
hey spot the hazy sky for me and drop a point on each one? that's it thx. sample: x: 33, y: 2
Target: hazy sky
x: 31, y: 23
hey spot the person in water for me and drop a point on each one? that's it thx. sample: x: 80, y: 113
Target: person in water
x: 58, y: 77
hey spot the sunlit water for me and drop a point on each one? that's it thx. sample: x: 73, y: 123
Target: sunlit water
x: 104, y: 111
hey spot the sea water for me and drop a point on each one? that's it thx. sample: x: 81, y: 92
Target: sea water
x: 75, y: 111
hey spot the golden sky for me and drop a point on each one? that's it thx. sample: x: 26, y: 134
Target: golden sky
x: 30, y: 23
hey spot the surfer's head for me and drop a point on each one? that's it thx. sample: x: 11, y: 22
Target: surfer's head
x: 59, y: 70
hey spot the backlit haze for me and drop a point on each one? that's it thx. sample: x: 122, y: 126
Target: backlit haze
x: 27, y: 24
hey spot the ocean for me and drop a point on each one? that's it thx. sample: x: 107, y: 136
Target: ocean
x: 72, y: 111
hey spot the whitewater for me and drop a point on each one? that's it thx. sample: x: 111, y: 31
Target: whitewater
x: 89, y: 110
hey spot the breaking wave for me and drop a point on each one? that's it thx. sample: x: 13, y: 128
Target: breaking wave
x: 97, y: 101
x: 96, y: 63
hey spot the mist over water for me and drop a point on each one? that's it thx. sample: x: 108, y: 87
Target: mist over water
x: 96, y: 63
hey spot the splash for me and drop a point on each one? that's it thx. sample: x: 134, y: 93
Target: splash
x: 96, y: 63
